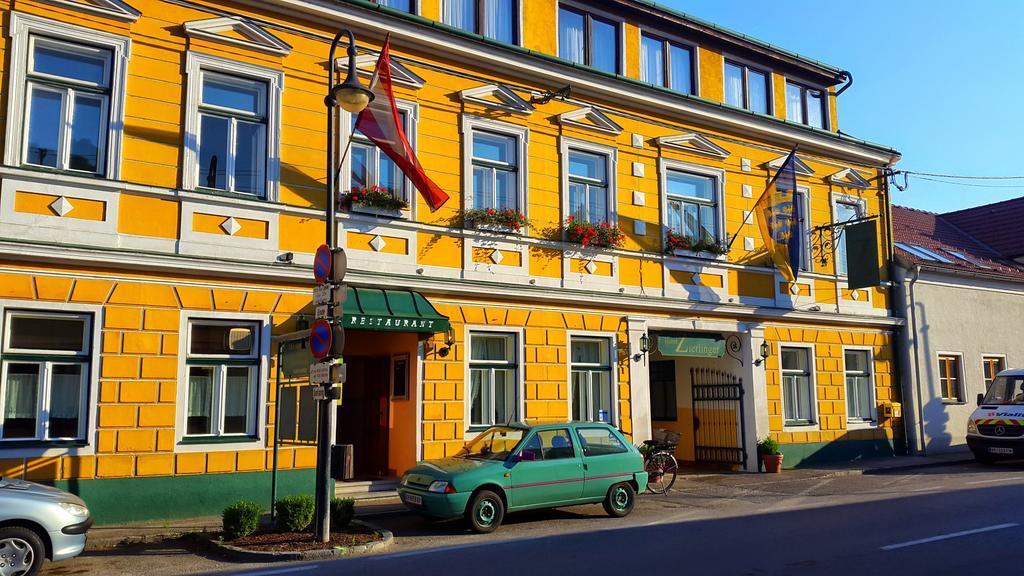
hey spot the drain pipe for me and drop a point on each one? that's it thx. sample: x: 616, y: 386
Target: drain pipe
x: 919, y: 414
x: 847, y: 77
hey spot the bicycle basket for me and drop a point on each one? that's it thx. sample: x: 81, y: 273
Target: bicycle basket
x: 666, y: 437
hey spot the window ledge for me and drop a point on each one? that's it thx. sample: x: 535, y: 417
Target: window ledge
x: 954, y: 402
x: 381, y: 212
x: 698, y: 255
x: 217, y: 440
x: 228, y: 194
x: 21, y: 444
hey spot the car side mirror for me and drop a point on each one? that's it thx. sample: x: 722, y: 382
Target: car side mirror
x: 981, y: 398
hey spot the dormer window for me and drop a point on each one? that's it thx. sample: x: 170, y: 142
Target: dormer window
x: 495, y: 19
x: 805, y: 105
x: 747, y: 87
x: 587, y: 39
x: 666, y: 63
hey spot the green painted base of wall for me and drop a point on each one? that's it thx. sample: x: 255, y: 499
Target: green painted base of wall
x: 122, y: 500
x: 818, y: 453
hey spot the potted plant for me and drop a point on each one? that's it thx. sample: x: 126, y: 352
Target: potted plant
x: 771, y: 456
x: 675, y: 243
x: 373, y: 200
x: 496, y: 220
x: 601, y: 234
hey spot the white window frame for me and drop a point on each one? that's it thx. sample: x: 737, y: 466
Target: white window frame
x: 620, y: 26
x: 815, y: 421
x: 852, y: 421
x: 747, y: 64
x: 84, y: 445
x: 196, y: 64
x: 669, y: 38
x: 610, y: 339
x: 345, y: 131
x: 961, y: 380
x: 258, y: 418
x: 611, y: 155
x: 804, y: 193
x: 667, y: 164
x: 23, y: 28
x: 836, y: 200
x: 517, y: 25
x: 519, y: 346
x: 471, y: 124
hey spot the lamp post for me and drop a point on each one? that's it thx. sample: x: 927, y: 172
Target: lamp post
x: 353, y: 97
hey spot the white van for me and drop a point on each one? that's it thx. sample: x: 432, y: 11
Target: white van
x: 995, y: 430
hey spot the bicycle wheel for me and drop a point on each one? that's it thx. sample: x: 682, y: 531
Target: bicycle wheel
x: 661, y: 472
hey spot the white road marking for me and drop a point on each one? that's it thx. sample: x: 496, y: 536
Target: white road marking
x: 993, y: 480
x: 949, y: 536
x: 283, y: 570
x: 925, y: 489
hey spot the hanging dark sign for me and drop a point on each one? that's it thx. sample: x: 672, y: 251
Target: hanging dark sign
x: 862, y: 254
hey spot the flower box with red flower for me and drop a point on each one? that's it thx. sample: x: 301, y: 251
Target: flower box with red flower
x: 375, y: 200
x: 501, y: 220
x: 593, y: 234
x: 681, y: 245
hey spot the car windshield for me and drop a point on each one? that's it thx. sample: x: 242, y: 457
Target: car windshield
x: 1006, y: 390
x: 493, y: 444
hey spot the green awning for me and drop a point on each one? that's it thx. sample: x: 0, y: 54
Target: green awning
x: 391, y: 310
x: 693, y: 346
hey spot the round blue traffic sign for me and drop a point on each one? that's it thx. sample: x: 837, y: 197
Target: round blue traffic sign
x: 322, y: 264
x: 321, y: 336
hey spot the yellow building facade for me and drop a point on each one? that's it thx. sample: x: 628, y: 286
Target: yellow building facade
x: 163, y: 192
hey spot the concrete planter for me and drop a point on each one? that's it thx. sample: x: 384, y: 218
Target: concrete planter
x: 245, y: 555
x: 382, y: 212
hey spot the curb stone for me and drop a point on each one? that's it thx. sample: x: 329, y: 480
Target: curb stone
x: 245, y: 555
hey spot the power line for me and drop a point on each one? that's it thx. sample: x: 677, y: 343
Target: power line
x: 940, y: 181
x: 959, y: 176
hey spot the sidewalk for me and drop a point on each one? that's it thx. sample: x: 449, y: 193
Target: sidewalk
x: 111, y: 536
x: 883, y: 465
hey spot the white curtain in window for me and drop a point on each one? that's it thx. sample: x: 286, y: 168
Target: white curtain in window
x: 22, y: 396
x: 497, y: 20
x: 570, y: 37
x: 200, y: 393
x: 733, y: 85
x: 65, y: 391
x: 460, y: 14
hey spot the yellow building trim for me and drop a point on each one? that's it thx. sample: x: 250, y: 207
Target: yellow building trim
x: 392, y: 244
x: 219, y: 224
x: 49, y: 205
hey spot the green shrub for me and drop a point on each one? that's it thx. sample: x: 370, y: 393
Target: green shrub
x: 241, y: 519
x: 342, y: 511
x: 769, y: 446
x: 294, y: 513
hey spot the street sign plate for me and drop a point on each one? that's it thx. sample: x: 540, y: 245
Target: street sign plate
x: 323, y: 312
x: 322, y: 294
x: 320, y: 339
x: 319, y: 393
x: 327, y: 373
x: 322, y: 264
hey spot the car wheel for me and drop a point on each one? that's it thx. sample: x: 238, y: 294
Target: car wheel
x: 620, y: 500
x: 21, y: 552
x: 485, y: 512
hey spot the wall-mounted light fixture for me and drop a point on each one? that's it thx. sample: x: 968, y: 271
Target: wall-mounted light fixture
x: 286, y: 258
x: 766, y: 351
x: 449, y: 340
x: 645, y: 347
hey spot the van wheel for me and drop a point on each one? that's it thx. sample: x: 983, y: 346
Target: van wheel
x: 620, y: 500
x: 485, y: 512
x: 21, y: 551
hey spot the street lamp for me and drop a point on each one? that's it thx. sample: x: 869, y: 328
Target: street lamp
x: 353, y: 97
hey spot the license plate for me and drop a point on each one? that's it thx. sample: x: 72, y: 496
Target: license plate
x: 997, y: 450
x: 413, y: 499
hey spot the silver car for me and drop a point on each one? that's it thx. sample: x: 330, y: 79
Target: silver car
x: 38, y: 522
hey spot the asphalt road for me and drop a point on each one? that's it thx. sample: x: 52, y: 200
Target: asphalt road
x: 958, y: 520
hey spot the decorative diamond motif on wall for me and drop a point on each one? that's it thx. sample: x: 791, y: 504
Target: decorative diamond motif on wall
x: 231, y: 226
x: 377, y: 243
x: 794, y: 289
x: 62, y: 206
x: 696, y: 278
x: 496, y: 256
x: 590, y: 267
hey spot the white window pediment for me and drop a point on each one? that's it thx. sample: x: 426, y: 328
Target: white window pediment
x: 237, y: 32
x: 801, y: 167
x: 591, y: 119
x: 497, y: 97
x: 849, y: 178
x: 693, y: 142
x: 400, y: 74
x: 114, y: 9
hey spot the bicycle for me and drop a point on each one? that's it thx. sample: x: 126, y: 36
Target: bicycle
x: 660, y: 461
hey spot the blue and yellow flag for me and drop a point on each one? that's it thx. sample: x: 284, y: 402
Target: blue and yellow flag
x: 778, y: 217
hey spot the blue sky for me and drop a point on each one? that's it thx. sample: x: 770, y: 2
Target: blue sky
x: 937, y: 80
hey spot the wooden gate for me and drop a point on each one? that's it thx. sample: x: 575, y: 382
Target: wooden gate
x: 719, y: 428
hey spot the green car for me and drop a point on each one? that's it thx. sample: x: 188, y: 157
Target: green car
x: 517, y: 467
